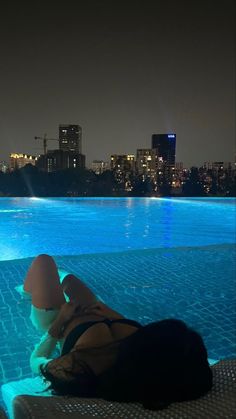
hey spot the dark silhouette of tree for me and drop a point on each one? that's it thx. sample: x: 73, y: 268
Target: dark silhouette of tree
x: 164, y: 181
x: 214, y: 188
x: 193, y: 185
x: 142, y: 187
x: 105, y: 184
x: 2, y: 184
x: 31, y: 181
x: 229, y: 186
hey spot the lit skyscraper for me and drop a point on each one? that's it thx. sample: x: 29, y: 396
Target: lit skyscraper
x: 147, y: 162
x: 165, y: 145
x: 123, y: 166
x: 70, y: 138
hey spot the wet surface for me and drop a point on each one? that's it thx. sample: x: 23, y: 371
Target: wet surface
x: 195, y: 284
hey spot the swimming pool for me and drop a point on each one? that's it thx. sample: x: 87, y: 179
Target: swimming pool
x: 149, y: 258
x: 67, y: 226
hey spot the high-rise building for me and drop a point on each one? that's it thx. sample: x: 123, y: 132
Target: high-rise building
x: 123, y: 166
x: 19, y: 160
x: 70, y: 138
x: 123, y: 163
x: 147, y: 162
x: 99, y: 166
x: 165, y: 145
x: 60, y: 160
x: 217, y: 165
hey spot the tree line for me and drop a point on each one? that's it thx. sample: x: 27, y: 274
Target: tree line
x: 30, y: 181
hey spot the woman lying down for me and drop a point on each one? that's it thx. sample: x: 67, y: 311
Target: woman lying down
x: 104, y: 354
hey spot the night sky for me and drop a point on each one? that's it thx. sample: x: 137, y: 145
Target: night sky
x: 123, y: 70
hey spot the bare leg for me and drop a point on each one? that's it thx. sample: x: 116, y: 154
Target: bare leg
x: 78, y: 292
x: 42, y: 281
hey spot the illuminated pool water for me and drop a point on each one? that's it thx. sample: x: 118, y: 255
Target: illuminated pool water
x: 80, y: 226
x: 148, y: 258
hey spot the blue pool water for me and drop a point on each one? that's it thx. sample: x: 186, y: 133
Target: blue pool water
x: 148, y: 258
x: 69, y: 226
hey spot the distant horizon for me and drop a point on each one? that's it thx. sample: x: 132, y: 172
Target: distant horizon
x: 89, y: 159
x: 88, y: 162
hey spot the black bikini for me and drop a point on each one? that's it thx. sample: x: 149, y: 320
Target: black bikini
x: 75, y: 334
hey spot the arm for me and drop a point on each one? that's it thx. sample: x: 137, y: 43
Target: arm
x: 101, y: 309
x: 42, y: 352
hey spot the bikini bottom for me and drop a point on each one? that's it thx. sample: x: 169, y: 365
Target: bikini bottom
x: 75, y: 333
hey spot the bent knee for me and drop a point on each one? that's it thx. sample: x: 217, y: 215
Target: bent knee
x: 68, y: 278
x: 44, y: 258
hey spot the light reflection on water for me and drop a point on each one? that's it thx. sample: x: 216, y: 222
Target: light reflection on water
x: 69, y: 226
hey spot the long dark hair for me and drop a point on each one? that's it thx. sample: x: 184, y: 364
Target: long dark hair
x: 161, y: 363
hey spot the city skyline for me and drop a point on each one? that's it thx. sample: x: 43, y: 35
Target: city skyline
x: 89, y: 163
x: 123, y: 72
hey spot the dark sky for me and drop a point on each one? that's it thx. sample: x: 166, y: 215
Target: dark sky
x: 122, y: 70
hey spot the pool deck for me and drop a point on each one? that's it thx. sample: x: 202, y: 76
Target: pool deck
x: 194, y: 284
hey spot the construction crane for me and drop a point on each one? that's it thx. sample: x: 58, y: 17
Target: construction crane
x: 45, y: 140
